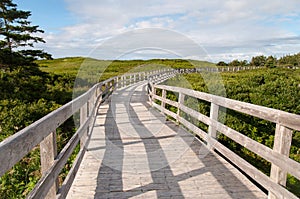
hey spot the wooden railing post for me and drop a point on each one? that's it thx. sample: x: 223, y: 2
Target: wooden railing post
x: 122, y: 82
x: 111, y: 85
x: 212, y: 130
x: 48, y: 152
x: 117, y: 82
x: 131, y: 79
x: 282, y: 145
x: 83, y: 117
x: 180, y: 101
x: 163, y: 102
x: 152, y: 92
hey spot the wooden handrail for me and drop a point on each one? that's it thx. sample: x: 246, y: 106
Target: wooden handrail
x: 278, y: 156
x: 43, y: 133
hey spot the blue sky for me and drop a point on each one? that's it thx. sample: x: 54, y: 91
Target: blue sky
x: 225, y: 30
x: 50, y: 15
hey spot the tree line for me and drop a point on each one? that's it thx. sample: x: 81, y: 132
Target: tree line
x: 266, y: 61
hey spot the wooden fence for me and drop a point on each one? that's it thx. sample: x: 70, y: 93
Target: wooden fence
x: 278, y: 156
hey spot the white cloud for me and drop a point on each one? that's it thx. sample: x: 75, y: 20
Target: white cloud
x: 228, y: 29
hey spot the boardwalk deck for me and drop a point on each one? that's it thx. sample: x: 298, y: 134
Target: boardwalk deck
x: 134, y: 152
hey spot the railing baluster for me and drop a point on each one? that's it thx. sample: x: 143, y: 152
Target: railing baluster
x: 163, y: 103
x: 212, y: 130
x: 180, y: 101
x: 48, y: 152
x: 83, y: 117
x: 282, y: 145
x: 122, y: 81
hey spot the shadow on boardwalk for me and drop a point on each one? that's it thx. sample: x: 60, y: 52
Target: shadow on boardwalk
x: 163, y: 163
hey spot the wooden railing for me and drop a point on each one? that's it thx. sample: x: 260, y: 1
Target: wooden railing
x: 217, y: 69
x: 156, y: 76
x: 278, y: 156
x: 43, y: 133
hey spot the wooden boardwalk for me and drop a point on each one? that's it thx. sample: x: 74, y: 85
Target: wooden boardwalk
x: 134, y: 152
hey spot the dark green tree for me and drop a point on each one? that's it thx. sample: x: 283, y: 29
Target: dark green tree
x: 16, y: 32
x: 235, y: 63
x: 244, y: 63
x: 271, y: 62
x: 258, y: 60
x: 290, y: 60
x: 222, y: 63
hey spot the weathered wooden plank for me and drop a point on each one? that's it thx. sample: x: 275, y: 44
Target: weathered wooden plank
x: 48, y: 152
x: 253, y: 172
x: 163, y: 96
x: 202, y: 134
x: 165, y: 111
x: 195, y: 114
x: 180, y: 102
x: 212, y: 129
x: 193, y: 93
x: 282, y: 145
x: 289, y: 120
x: 265, y: 152
x: 284, y: 118
x: 71, y: 175
x: 83, y: 117
x: 43, y: 186
x: 170, y: 102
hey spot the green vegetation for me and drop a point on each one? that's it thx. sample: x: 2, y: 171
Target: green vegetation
x: 71, y: 65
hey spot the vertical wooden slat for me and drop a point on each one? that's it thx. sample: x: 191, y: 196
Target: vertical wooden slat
x: 83, y: 117
x: 282, y: 145
x: 153, y: 92
x: 117, y: 81
x: 122, y: 82
x: 130, y: 80
x: 48, y: 152
x: 163, y: 102
x: 180, y: 101
x: 212, y: 131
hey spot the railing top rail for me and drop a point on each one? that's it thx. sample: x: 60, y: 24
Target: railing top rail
x: 289, y: 120
x: 15, y: 147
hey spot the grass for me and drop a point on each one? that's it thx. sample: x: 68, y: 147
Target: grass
x: 74, y: 65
